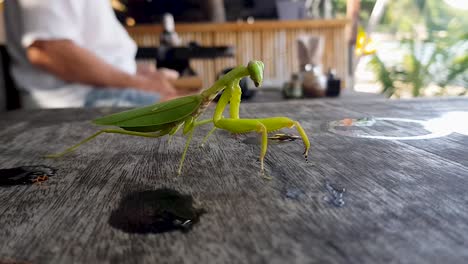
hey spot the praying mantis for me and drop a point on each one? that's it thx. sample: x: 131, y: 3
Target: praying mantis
x: 166, y: 118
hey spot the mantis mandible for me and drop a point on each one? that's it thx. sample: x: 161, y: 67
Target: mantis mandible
x: 166, y: 118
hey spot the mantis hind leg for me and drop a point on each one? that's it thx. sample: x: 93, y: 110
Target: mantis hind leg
x: 112, y: 131
x: 187, y: 144
x: 207, y: 136
x: 172, y: 132
x: 203, y: 122
x: 189, y: 139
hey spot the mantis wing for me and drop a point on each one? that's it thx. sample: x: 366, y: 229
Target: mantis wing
x: 156, y: 114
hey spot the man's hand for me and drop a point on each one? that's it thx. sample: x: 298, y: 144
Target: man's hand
x: 158, y: 80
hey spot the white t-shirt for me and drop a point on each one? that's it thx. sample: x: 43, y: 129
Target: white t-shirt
x: 90, y: 24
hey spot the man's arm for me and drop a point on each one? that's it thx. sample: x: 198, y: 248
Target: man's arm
x: 70, y: 62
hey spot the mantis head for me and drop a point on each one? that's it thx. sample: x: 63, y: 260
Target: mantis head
x: 255, y: 69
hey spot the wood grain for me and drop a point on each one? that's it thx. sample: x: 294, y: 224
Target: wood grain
x: 406, y: 201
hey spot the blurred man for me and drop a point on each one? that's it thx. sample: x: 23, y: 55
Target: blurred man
x: 74, y: 53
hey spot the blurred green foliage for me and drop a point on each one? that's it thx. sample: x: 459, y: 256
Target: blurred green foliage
x: 434, y: 38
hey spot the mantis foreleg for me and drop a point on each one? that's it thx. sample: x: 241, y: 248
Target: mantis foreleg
x: 222, y: 103
x: 262, y: 126
x: 234, y: 105
x: 232, y: 94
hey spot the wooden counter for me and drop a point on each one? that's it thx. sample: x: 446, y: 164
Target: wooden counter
x: 274, y: 42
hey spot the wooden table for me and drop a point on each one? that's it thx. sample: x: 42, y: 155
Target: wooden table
x: 405, y: 202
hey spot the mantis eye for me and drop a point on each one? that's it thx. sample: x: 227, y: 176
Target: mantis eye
x: 256, y: 72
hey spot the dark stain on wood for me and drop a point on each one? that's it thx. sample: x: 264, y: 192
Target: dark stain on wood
x: 26, y: 175
x: 155, y: 211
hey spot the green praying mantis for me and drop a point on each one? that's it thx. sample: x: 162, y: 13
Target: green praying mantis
x: 166, y: 118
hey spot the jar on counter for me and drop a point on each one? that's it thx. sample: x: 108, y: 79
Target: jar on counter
x: 293, y: 88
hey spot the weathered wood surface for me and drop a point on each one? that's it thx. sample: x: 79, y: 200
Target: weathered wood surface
x: 406, y: 201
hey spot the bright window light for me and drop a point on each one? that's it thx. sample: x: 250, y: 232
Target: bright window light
x: 459, y: 4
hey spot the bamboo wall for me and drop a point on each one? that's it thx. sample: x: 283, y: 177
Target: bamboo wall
x: 273, y: 42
